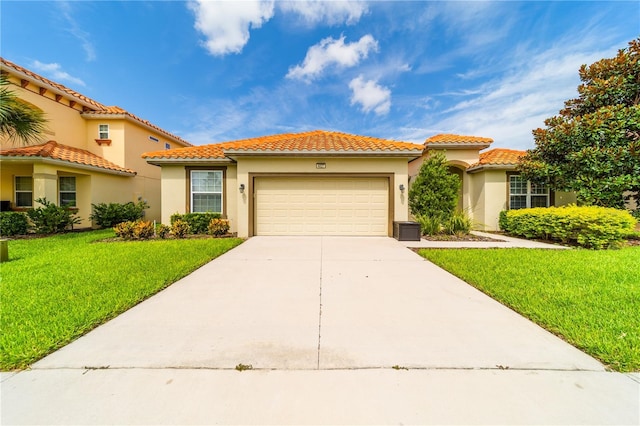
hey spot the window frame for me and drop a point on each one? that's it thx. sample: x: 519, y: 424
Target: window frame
x: 16, y: 191
x: 74, y: 192
x: 101, y: 133
x: 190, y: 192
x: 528, y: 193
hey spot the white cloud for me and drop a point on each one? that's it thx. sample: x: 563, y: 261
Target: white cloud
x: 333, y: 52
x: 508, y: 108
x: 73, y: 27
x: 226, y: 24
x: 327, y: 12
x: 54, y: 71
x: 370, y: 95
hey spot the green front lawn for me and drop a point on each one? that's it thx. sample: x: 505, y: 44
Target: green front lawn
x: 55, y: 289
x: 589, y: 298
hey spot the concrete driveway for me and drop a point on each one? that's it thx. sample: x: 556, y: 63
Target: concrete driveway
x: 338, y: 331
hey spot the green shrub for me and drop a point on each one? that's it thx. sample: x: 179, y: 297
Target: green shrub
x: 180, y: 228
x: 162, y: 231
x: 218, y: 227
x: 429, y: 225
x: 435, y: 190
x: 198, y: 222
x: 459, y: 223
x: 51, y: 219
x: 108, y: 215
x: 591, y: 227
x: 13, y: 223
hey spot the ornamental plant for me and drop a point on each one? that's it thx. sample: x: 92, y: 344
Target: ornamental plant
x: 13, y: 223
x: 434, y: 193
x: 218, y: 227
x: 51, y: 219
x: 588, y: 226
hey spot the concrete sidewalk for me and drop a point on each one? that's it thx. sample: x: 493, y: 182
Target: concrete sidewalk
x: 338, y: 331
x: 500, y: 241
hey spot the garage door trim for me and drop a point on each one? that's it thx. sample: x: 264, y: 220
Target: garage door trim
x: 252, y: 195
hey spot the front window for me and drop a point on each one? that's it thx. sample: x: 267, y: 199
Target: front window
x: 524, y: 194
x: 206, y: 191
x: 24, y: 191
x: 103, y: 131
x: 67, y: 191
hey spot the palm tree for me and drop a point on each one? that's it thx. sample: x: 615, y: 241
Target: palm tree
x: 18, y: 121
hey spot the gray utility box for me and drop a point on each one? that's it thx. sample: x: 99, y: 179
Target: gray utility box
x: 406, y: 231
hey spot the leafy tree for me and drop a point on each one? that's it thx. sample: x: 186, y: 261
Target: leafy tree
x: 18, y: 121
x: 593, y: 146
x: 434, y: 193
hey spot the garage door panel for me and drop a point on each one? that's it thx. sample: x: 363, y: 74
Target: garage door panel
x: 321, y: 206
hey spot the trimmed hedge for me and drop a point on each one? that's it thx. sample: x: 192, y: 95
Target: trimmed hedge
x: 13, y: 223
x: 198, y: 222
x: 591, y: 227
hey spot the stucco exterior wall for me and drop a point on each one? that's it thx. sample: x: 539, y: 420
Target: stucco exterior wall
x: 64, y: 123
x: 488, y: 198
x: 394, y: 166
x: 174, y: 192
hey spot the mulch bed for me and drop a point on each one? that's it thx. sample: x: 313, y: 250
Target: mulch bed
x: 468, y: 237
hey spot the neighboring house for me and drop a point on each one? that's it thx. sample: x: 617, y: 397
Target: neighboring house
x: 312, y: 183
x: 90, y: 153
x: 490, y: 182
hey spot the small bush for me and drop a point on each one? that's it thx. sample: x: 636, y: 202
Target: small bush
x: 198, y: 222
x: 590, y: 227
x: 124, y: 230
x: 180, y: 228
x: 138, y: 230
x: 429, y: 225
x: 108, y: 215
x: 218, y: 227
x: 162, y: 231
x: 458, y: 224
x: 435, y: 190
x: 13, y: 223
x: 51, y: 219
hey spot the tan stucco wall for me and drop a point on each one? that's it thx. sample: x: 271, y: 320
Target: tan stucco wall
x: 395, y: 166
x: 174, y: 184
x: 563, y: 198
x: 175, y: 192
x: 488, y: 198
x: 64, y: 124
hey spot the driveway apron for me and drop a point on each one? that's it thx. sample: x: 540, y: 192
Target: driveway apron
x: 342, y: 318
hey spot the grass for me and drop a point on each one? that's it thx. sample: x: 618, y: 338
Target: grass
x: 55, y: 289
x: 589, y: 298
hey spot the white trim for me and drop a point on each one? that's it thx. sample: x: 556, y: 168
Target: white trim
x: 192, y: 192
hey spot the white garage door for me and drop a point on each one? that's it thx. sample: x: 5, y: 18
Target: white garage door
x: 321, y: 206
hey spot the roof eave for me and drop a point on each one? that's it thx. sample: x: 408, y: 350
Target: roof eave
x: 49, y: 87
x: 54, y: 161
x: 454, y: 145
x: 127, y: 117
x: 483, y: 167
x: 187, y: 161
x: 296, y: 153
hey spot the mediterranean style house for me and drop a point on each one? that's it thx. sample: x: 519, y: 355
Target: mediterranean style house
x: 331, y: 183
x: 310, y: 183
x: 490, y: 182
x: 89, y: 153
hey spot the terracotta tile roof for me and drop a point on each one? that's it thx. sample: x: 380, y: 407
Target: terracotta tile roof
x: 94, y: 106
x: 116, y: 111
x: 60, y: 87
x: 498, y: 157
x: 317, y: 141
x: 56, y: 151
x: 450, y: 139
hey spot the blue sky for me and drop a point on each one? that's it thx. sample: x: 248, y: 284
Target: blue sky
x: 212, y: 71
